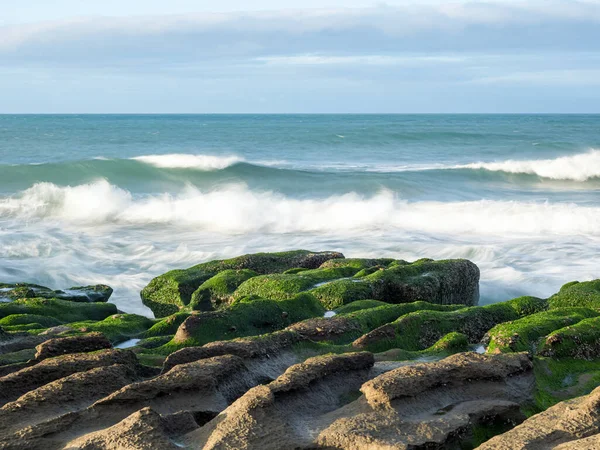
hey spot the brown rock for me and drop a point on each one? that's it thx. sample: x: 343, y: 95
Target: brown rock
x: 72, y: 344
x: 193, y: 386
x: 252, y: 347
x: 143, y: 430
x: 76, y: 391
x: 274, y: 416
x: 320, y: 329
x: 572, y: 424
x: 409, y: 381
x: 14, y: 385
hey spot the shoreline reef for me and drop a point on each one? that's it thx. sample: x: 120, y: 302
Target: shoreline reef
x: 301, y: 349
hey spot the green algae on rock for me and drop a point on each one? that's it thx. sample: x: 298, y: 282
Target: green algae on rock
x: 217, y: 291
x: 523, y: 334
x: 116, y: 328
x: 421, y: 329
x: 168, y: 293
x: 580, y: 341
x: 97, y: 293
x: 63, y: 310
x: 586, y: 294
x: 245, y: 317
x: 443, y: 282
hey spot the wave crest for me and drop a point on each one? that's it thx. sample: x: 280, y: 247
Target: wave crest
x: 236, y: 209
x: 187, y: 161
x: 580, y: 167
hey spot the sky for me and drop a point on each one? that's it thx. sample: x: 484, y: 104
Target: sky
x: 338, y: 56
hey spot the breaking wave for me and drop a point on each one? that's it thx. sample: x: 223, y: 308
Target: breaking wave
x: 187, y: 161
x: 579, y: 167
x: 237, y: 209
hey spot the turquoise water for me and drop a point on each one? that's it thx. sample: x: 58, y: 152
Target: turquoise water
x: 118, y: 199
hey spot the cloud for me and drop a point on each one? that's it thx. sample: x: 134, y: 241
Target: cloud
x: 428, y: 57
x: 375, y: 35
x: 372, y: 60
x: 569, y: 77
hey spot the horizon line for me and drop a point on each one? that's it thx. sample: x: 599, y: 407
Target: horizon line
x: 291, y: 113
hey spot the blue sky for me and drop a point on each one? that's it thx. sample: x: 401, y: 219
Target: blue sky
x: 311, y: 56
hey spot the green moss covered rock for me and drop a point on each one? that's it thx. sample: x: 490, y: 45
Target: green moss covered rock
x: 421, y: 329
x: 358, y: 263
x: 342, y: 292
x: 63, y: 310
x: 558, y: 379
x: 584, y: 294
x: 168, y: 293
x: 443, y: 282
x: 25, y: 319
x: 451, y: 343
x: 359, y: 305
x: 523, y: 334
x: 247, y: 316
x: 580, y: 341
x: 97, y: 293
x: 167, y: 325
x: 217, y: 291
x: 117, y: 327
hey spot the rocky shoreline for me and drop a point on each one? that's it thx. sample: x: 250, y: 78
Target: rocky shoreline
x: 301, y: 350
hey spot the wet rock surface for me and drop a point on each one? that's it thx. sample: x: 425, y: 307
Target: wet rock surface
x: 243, y: 356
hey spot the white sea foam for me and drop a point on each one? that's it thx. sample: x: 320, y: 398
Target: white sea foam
x: 579, y: 167
x: 236, y: 209
x: 187, y: 161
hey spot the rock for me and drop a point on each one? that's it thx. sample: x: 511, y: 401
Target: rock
x: 280, y: 286
x: 421, y: 329
x: 168, y: 293
x: 273, y: 416
x: 345, y: 327
x: 14, y: 320
x: 523, y: 334
x: 72, y: 344
x: 432, y: 405
x: 117, y: 327
x: 63, y: 310
x: 412, y: 380
x: 442, y: 282
x: 167, y: 325
x: 217, y: 291
x: 97, y: 293
x: 580, y: 341
x: 321, y: 329
x: 192, y: 386
x: 568, y: 425
x: 14, y: 385
x: 249, y: 316
x: 448, y: 428
x: 143, y: 430
x: 577, y: 294
x: 76, y: 391
x: 359, y: 263
x: 301, y: 376
x: 264, y: 346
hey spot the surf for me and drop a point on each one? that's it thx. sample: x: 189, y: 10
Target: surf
x: 236, y: 209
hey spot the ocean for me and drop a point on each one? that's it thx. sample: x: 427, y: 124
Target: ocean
x: 119, y: 199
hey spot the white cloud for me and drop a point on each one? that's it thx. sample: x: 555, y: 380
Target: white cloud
x: 415, y: 28
x: 547, y: 77
x: 370, y: 60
